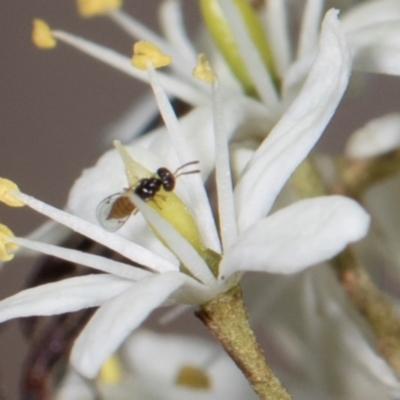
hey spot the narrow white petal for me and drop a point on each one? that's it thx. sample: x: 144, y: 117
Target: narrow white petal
x: 303, y: 234
x: 124, y: 247
x: 89, y: 260
x: 310, y: 27
x: 255, y: 66
x: 64, y: 296
x: 113, y: 322
x: 179, y: 245
x: 298, y: 130
x: 198, y: 195
x: 377, y: 137
x: 174, y: 86
x: 226, y: 206
x: 278, y: 34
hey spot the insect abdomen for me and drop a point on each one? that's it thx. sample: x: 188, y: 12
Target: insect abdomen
x: 121, y: 208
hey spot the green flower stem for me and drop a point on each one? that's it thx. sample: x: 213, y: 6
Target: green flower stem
x: 375, y: 308
x: 226, y: 317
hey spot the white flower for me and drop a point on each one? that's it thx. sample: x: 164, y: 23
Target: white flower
x: 155, y: 367
x: 286, y: 242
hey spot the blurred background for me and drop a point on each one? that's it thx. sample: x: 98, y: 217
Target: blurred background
x: 55, y: 106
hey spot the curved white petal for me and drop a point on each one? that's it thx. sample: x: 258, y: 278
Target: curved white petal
x: 377, y: 137
x: 300, y: 127
x: 298, y: 236
x: 113, y: 322
x: 370, y: 13
x: 376, y: 48
x: 64, y: 296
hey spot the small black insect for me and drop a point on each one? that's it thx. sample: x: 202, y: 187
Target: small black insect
x: 114, y: 210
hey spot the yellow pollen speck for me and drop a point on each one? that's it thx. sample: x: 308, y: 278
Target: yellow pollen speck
x: 7, y: 186
x: 203, y: 71
x: 42, y: 36
x: 193, y: 377
x: 110, y: 372
x: 145, y: 52
x: 5, y: 245
x: 90, y: 8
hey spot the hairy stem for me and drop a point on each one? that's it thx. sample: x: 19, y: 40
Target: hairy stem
x: 226, y: 317
x: 361, y: 290
x: 372, y: 305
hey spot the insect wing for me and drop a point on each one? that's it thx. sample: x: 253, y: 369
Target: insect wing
x: 104, y: 213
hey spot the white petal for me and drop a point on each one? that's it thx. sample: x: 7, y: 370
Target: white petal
x: 113, y: 322
x: 64, y: 296
x: 370, y: 13
x: 377, y: 137
x: 376, y: 48
x: 298, y: 236
x: 300, y: 127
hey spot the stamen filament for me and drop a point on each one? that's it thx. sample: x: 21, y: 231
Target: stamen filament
x: 89, y: 260
x: 174, y: 31
x: 226, y: 205
x: 310, y: 26
x: 137, y: 30
x: 130, y: 250
x: 278, y: 33
x: 199, y: 199
x: 175, y: 87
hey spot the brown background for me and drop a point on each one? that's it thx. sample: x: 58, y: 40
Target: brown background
x: 54, y: 106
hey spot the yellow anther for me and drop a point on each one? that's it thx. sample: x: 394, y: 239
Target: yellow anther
x: 90, y: 8
x: 6, y: 195
x: 145, y: 52
x: 5, y: 245
x: 42, y: 35
x: 111, y: 371
x: 193, y: 377
x: 203, y: 70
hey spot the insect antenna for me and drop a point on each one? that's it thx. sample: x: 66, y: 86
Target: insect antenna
x: 196, y: 171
